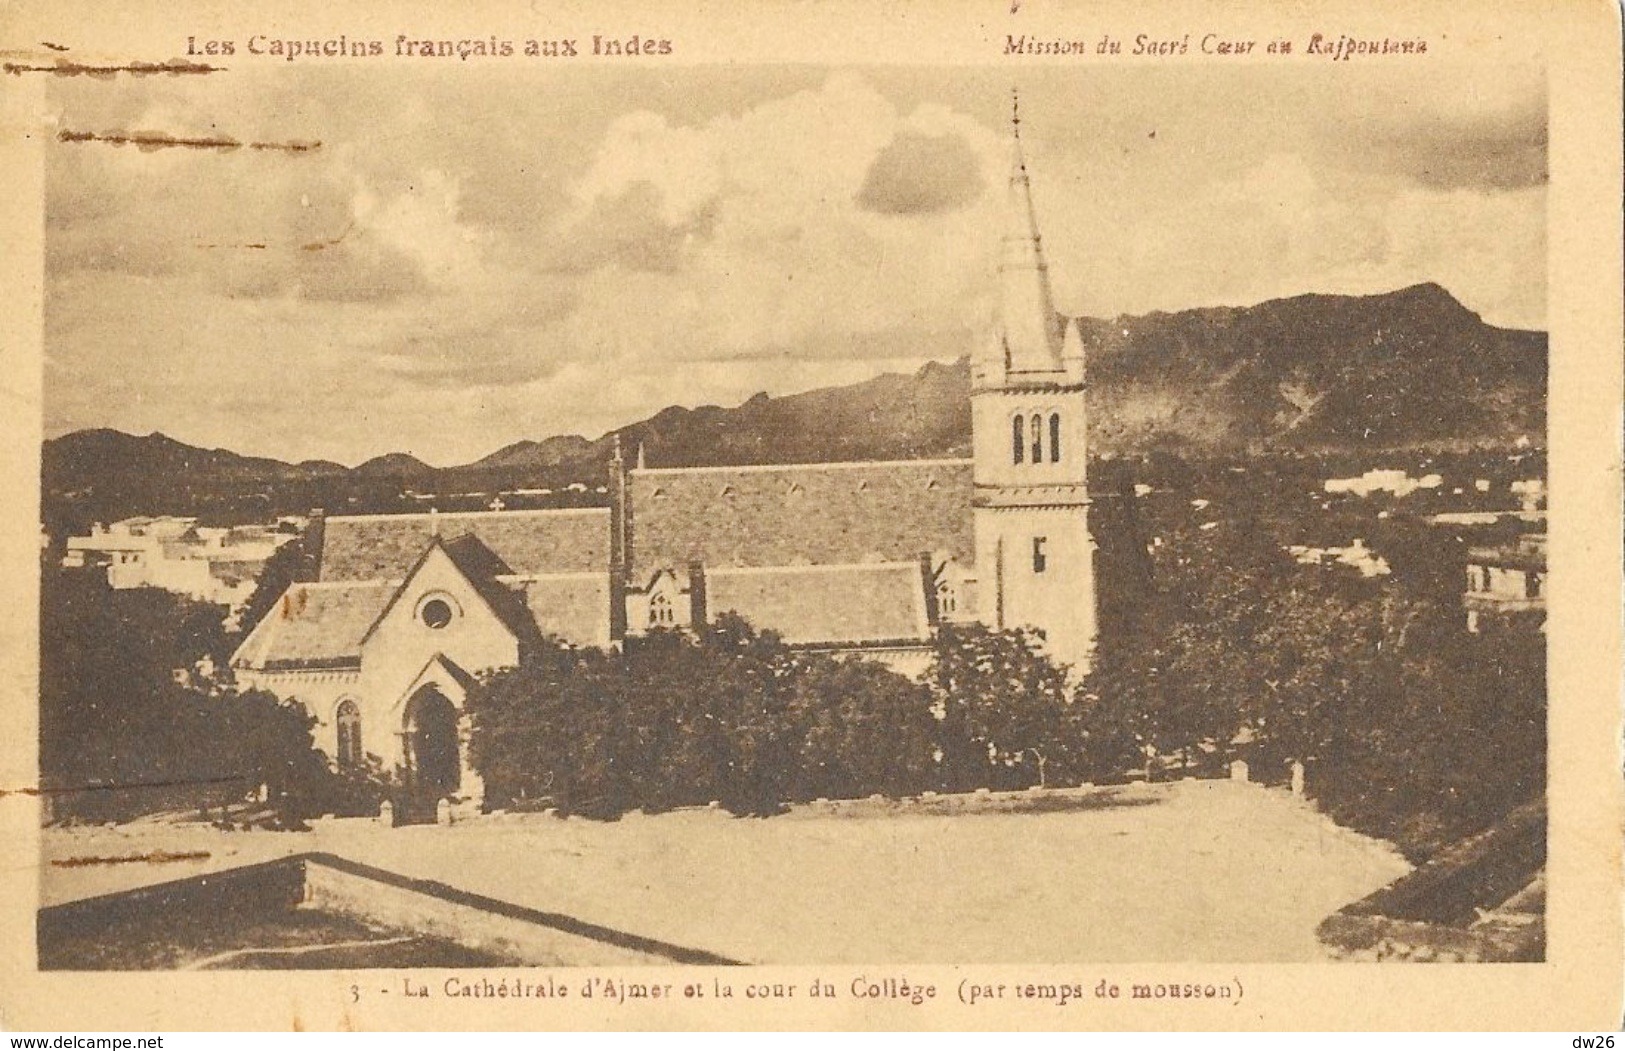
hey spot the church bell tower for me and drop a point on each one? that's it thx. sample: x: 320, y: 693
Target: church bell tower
x: 1034, y: 553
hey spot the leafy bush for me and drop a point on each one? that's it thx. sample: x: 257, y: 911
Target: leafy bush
x: 1411, y: 728
x: 131, y: 723
x: 736, y: 716
x: 1006, y: 711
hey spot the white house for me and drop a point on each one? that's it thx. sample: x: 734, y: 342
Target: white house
x: 1507, y: 584
x: 208, y: 563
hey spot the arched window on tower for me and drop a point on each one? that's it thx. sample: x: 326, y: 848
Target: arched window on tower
x: 1019, y: 438
x: 661, y: 614
x: 1038, y: 438
x: 1054, y: 437
x: 947, y: 599
x: 348, y: 719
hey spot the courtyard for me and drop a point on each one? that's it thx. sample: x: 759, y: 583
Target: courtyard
x: 1199, y: 871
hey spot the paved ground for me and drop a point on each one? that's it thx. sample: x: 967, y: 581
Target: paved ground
x: 1200, y: 871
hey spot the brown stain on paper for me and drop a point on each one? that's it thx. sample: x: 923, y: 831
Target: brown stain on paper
x: 65, y: 68
x: 317, y: 246
x: 155, y: 857
x: 157, y: 140
x: 309, y: 246
x: 35, y: 790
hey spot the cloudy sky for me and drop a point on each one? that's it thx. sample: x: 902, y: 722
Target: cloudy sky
x: 475, y: 256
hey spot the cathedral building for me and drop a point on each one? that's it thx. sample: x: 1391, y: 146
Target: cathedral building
x: 402, y: 612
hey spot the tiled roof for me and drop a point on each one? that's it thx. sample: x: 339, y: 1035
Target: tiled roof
x: 384, y: 547
x: 572, y: 607
x: 314, y: 625
x: 846, y: 604
x: 825, y: 514
x: 481, y: 567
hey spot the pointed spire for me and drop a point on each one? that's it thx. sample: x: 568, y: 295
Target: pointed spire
x: 641, y: 464
x: 1018, y: 162
x: 1072, y: 343
x: 1028, y: 324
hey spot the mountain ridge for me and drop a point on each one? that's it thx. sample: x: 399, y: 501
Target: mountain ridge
x: 1403, y: 369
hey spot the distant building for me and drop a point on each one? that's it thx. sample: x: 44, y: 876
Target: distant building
x: 1531, y: 493
x: 211, y: 564
x: 1393, y: 481
x: 1356, y: 555
x: 1507, y: 584
x: 869, y: 558
x: 1483, y: 518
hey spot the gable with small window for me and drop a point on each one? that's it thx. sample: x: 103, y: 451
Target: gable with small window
x: 953, y: 587
x: 663, y: 605
x: 438, y: 609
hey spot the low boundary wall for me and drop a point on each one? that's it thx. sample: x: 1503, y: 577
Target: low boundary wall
x: 332, y: 884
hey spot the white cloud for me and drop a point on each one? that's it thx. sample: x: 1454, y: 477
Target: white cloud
x: 788, y: 256
x: 1283, y: 227
x: 507, y: 270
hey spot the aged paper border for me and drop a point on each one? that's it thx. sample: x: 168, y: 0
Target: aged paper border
x: 1579, y: 987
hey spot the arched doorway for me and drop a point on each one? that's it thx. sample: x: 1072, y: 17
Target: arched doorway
x: 433, y: 764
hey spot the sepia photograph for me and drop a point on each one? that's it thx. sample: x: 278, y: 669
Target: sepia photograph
x: 507, y: 500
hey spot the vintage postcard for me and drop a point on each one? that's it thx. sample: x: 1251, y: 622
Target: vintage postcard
x: 825, y: 515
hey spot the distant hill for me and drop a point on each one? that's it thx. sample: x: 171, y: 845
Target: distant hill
x: 890, y: 417
x: 1406, y: 369
x: 81, y: 458
x: 528, y: 454
x: 319, y: 468
x: 395, y: 465
x: 1401, y: 370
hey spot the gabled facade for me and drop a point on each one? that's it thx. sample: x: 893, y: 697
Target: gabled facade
x: 405, y: 611
x: 384, y: 663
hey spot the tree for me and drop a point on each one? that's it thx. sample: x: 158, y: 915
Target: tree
x: 736, y: 716
x: 1188, y: 680
x: 285, y: 566
x: 1004, y: 709
x: 539, y: 729
x: 862, y: 729
x: 748, y: 679
x: 128, y: 722
x: 1412, y: 728
x: 1458, y: 741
